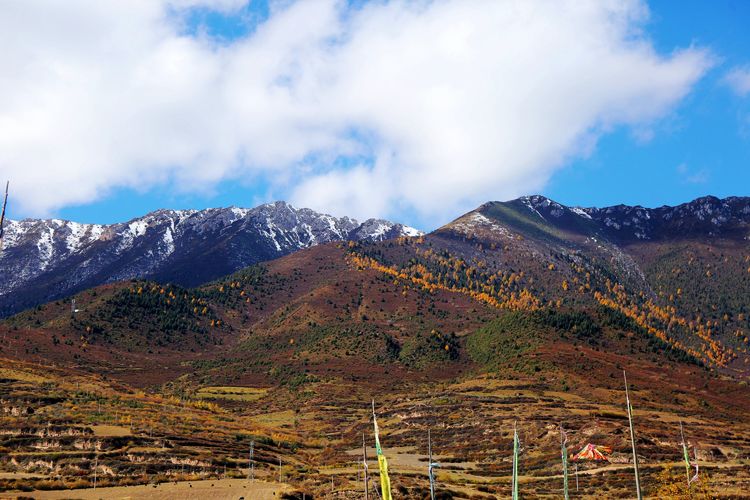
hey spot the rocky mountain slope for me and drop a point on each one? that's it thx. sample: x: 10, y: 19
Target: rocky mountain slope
x: 48, y: 259
x: 707, y: 217
x: 685, y: 295
x: 682, y: 273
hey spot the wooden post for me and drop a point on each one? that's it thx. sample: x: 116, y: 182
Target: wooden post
x: 632, y: 440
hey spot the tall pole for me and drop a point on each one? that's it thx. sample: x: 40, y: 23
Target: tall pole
x: 364, y: 463
x: 632, y: 439
x: 685, y: 454
x: 514, y: 493
x: 251, y: 465
x: 2, y: 215
x: 430, y: 465
x: 564, y: 453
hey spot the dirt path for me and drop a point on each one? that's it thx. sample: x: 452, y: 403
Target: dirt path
x: 223, y: 489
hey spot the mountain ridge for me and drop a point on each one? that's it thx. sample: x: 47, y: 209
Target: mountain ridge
x: 707, y: 215
x: 52, y: 258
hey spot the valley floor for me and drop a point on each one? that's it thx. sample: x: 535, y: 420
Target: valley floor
x: 219, y: 489
x: 316, y: 432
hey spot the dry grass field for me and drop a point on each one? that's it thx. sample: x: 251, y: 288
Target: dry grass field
x: 219, y: 489
x: 142, y: 443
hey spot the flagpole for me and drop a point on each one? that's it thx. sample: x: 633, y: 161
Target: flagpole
x: 632, y: 439
x: 364, y: 462
x: 251, y: 462
x: 564, y: 452
x: 430, y: 464
x: 685, y: 455
x: 2, y: 214
x: 515, y: 463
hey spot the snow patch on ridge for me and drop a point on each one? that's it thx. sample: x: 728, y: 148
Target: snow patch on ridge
x: 527, y: 201
x: 168, y: 240
x: 46, y: 247
x: 470, y: 223
x: 379, y: 230
x: 410, y: 231
x: 81, y: 235
x: 239, y: 213
x: 581, y: 212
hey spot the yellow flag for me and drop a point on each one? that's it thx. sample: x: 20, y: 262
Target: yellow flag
x: 385, y: 481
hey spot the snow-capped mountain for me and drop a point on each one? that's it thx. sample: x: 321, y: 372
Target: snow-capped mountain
x: 629, y: 241
x: 706, y: 217
x: 45, y: 260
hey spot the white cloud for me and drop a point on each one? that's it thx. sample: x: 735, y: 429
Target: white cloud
x: 450, y: 102
x: 738, y: 80
x: 690, y: 176
x: 217, y: 5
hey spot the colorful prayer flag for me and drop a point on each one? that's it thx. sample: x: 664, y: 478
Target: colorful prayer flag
x: 385, y: 481
x: 431, y: 466
x: 593, y: 452
x: 686, y: 456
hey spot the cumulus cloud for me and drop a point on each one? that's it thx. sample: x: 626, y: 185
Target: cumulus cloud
x: 738, y: 80
x: 430, y: 107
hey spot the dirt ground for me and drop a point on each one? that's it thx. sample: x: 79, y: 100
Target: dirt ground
x: 221, y: 489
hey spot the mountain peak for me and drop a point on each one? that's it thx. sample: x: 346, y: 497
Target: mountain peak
x: 707, y: 216
x: 278, y: 205
x: 536, y: 199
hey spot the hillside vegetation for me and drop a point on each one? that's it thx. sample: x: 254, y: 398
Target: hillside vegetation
x: 505, y: 315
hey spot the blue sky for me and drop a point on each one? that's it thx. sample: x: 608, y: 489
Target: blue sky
x: 699, y: 144
x: 703, y: 149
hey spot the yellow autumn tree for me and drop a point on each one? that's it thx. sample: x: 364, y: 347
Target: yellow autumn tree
x: 672, y: 485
